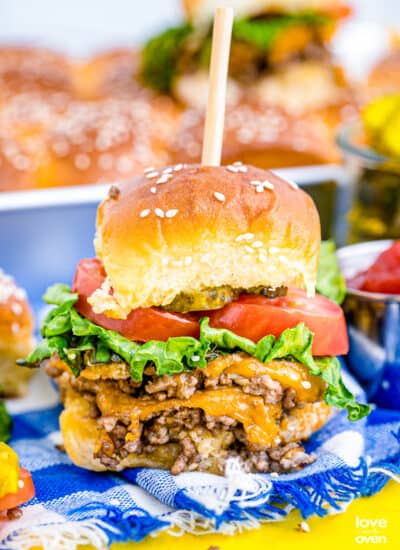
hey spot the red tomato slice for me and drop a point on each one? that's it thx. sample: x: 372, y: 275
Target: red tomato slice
x: 142, y: 324
x: 249, y: 316
x: 255, y: 316
x: 24, y: 493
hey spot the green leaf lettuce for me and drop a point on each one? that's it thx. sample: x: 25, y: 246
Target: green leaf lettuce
x: 69, y: 334
x: 330, y: 281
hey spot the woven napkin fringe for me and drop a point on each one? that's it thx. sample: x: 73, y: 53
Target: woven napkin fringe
x: 60, y: 536
x: 313, y: 495
x: 97, y: 533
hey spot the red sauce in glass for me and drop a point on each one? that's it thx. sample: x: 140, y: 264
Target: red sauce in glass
x: 384, y: 274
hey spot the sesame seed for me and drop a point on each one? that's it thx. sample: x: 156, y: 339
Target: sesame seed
x: 219, y: 196
x: 237, y: 163
x: 262, y: 258
x: 21, y: 483
x: 195, y: 358
x: 242, y: 169
x: 257, y: 244
x: 152, y: 175
x: 249, y: 249
x: 168, y: 170
x: 153, y: 190
x: 245, y: 237
x: 292, y: 184
x: 232, y: 169
x: 268, y: 185
x: 260, y: 188
x: 159, y: 212
x: 16, y: 308
x: 148, y: 170
x: 306, y: 385
x: 255, y: 182
x: 178, y: 167
x: 144, y: 213
x: 164, y: 178
x: 15, y: 327
x: 171, y: 213
x: 20, y: 294
x: 273, y: 250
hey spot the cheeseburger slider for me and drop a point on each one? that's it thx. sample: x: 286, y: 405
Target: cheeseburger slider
x: 195, y: 334
x: 280, y: 54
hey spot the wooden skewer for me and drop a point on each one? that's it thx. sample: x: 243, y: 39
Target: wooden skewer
x: 214, y: 126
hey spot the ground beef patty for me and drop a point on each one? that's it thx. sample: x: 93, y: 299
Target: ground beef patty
x: 192, y: 438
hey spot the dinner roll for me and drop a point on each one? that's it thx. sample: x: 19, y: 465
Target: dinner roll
x: 106, y: 140
x: 16, y: 340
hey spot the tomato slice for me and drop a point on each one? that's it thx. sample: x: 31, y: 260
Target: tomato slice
x: 255, y: 316
x: 250, y: 316
x: 142, y: 324
x: 25, y: 492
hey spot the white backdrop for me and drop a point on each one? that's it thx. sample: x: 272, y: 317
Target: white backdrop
x: 81, y: 26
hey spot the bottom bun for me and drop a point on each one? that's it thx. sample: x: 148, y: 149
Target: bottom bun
x: 235, y: 407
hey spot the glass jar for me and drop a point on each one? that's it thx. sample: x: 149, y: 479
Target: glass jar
x: 375, y: 179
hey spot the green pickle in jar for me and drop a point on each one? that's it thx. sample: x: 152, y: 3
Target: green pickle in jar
x: 376, y: 208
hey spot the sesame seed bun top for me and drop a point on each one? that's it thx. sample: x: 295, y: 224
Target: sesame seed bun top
x: 187, y: 228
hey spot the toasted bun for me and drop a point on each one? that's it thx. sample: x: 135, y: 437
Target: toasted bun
x: 16, y: 341
x: 200, y: 10
x: 301, y: 87
x: 262, y: 136
x: 298, y: 87
x: 24, y: 69
x: 109, y: 73
x: 184, y: 229
x: 25, y: 120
